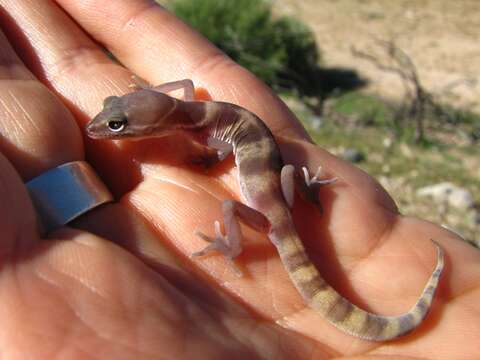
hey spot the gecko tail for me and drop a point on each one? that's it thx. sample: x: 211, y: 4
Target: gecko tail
x: 349, y: 317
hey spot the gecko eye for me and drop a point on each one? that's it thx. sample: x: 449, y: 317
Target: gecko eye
x: 117, y: 125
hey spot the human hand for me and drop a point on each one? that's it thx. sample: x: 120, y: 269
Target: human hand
x: 121, y: 284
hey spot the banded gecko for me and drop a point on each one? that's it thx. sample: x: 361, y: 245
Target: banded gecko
x: 267, y: 187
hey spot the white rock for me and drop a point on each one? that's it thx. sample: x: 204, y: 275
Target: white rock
x: 448, y: 192
x: 387, y: 142
x: 316, y: 122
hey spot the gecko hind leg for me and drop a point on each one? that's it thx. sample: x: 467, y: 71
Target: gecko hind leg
x: 223, y: 148
x: 230, y: 244
x: 308, y: 186
x: 186, y: 85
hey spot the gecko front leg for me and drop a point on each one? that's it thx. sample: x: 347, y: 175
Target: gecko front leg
x: 186, y: 85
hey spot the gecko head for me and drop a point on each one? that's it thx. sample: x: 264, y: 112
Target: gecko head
x: 136, y: 115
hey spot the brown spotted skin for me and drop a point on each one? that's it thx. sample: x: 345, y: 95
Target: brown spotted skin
x: 257, y: 157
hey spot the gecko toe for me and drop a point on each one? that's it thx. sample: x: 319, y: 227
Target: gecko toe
x: 218, y: 243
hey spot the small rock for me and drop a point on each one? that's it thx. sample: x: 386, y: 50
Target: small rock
x: 406, y: 151
x: 316, y: 122
x: 353, y: 155
x: 447, y: 192
x: 387, y: 142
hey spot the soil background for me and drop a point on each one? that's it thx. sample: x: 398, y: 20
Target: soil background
x: 442, y: 37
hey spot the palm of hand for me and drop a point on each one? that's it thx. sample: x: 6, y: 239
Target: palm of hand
x: 139, y: 294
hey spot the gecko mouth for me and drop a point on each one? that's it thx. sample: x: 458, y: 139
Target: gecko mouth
x: 90, y: 130
x: 94, y: 131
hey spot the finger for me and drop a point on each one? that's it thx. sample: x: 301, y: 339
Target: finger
x: 37, y: 132
x: 62, y: 55
x: 76, y: 68
x: 159, y: 47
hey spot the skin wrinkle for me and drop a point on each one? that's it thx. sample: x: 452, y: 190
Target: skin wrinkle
x: 15, y: 71
x: 146, y: 216
x: 43, y: 335
x: 418, y: 256
x: 201, y: 188
x: 168, y: 180
x: 104, y: 335
x: 285, y: 131
x: 158, y: 224
x: 9, y: 64
x: 216, y: 62
x: 209, y: 326
x: 471, y: 309
x: 72, y: 59
x: 464, y: 293
x: 15, y: 125
x: 78, y: 279
x: 271, y: 293
x: 352, y: 270
x: 382, y: 239
x: 26, y: 115
x: 114, y: 85
x: 71, y: 334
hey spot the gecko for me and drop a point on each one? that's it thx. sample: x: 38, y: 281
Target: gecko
x: 267, y: 187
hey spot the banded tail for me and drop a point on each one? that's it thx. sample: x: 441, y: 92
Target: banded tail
x: 259, y: 165
x: 339, y: 311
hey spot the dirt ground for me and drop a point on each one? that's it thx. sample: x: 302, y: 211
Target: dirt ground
x: 442, y: 37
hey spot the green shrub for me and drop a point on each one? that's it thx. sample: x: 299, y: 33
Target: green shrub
x: 281, y: 51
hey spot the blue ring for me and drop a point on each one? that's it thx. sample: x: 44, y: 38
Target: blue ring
x: 66, y: 192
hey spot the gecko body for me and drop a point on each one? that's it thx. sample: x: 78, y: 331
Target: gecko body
x: 265, y: 184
